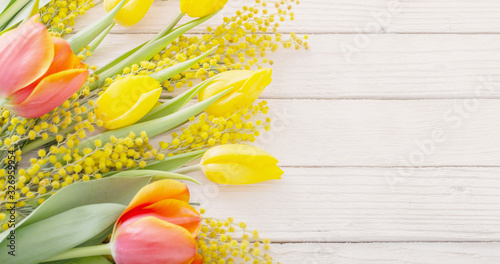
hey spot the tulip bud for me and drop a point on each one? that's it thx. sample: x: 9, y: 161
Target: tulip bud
x: 201, y: 8
x: 247, y: 87
x: 158, y: 226
x: 239, y: 164
x: 37, y: 72
x: 127, y: 100
x: 131, y: 13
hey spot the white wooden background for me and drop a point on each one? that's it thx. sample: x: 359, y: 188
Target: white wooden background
x: 391, y: 154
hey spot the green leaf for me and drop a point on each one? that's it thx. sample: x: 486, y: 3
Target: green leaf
x: 109, y: 190
x: 171, y: 71
x: 87, y: 260
x: 97, y: 41
x: 147, y: 51
x: 157, y: 175
x: 175, y: 104
x: 157, y: 126
x: 158, y: 36
x: 175, y: 162
x: 11, y: 11
x: 28, y: 11
x: 85, y: 36
x: 5, y: 4
x: 57, y: 234
x: 91, y: 260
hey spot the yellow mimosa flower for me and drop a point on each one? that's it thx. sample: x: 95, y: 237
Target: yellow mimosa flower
x: 201, y: 8
x: 127, y: 100
x: 247, y: 87
x: 131, y: 13
x: 239, y: 164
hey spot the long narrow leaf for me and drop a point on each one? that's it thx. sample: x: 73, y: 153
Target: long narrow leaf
x: 175, y: 104
x: 5, y: 4
x: 176, y: 161
x: 57, y: 234
x: 157, y: 175
x: 11, y: 11
x: 148, y: 51
x: 85, y: 36
x: 157, y: 126
x: 109, y: 190
x: 28, y: 11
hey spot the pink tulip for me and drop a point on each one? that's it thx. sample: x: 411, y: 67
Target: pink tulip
x: 159, y: 226
x: 37, y: 72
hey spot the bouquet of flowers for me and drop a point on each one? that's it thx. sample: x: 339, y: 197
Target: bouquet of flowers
x: 80, y: 180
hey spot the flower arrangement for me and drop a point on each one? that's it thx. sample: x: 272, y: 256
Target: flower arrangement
x: 95, y: 185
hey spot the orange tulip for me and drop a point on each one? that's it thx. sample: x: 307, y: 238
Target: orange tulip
x: 37, y: 72
x: 158, y: 226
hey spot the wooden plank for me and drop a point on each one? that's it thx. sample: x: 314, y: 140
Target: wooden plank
x: 386, y: 67
x: 406, y: 133
x: 388, y: 253
x: 351, y: 16
x: 363, y: 204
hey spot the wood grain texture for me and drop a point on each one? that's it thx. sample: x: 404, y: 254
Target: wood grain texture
x: 388, y: 253
x: 389, y: 67
x: 352, y: 16
x: 363, y: 204
x: 387, y: 129
x: 407, y: 133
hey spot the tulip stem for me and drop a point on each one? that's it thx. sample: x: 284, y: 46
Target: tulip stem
x: 82, y: 252
x: 188, y: 169
x: 168, y: 28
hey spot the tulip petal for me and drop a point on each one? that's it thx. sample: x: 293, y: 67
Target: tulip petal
x: 151, y: 240
x: 145, y: 103
x: 51, y: 92
x: 64, y: 59
x: 198, y: 259
x: 201, y: 8
x: 238, y: 174
x: 131, y: 13
x: 170, y: 210
x: 25, y: 55
x: 159, y: 191
x: 238, y: 153
x: 127, y: 100
x: 247, y: 85
x: 244, y: 96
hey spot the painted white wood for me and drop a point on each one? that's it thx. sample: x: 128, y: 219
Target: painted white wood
x: 407, y: 133
x: 388, y: 253
x: 363, y: 204
x: 353, y: 16
x: 389, y: 67
x: 388, y: 144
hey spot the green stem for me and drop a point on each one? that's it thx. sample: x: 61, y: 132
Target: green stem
x: 83, y: 252
x: 188, y: 169
x: 168, y: 28
x: 40, y: 142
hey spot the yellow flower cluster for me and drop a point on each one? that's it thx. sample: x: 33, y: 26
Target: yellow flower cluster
x: 217, y: 243
x: 59, y: 15
x: 243, y: 41
x: 206, y: 130
x: 73, y: 117
x: 64, y: 164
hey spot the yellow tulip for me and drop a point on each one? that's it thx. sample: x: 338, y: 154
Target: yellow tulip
x: 131, y: 13
x: 201, y: 8
x: 247, y: 85
x: 127, y: 100
x: 239, y: 164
